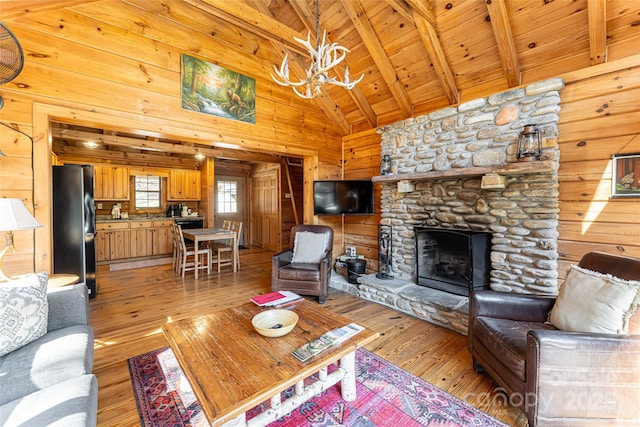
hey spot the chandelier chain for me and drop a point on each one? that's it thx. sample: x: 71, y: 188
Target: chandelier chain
x: 317, y: 24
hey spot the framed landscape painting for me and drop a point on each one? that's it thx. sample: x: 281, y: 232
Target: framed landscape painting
x: 625, y: 175
x: 210, y: 89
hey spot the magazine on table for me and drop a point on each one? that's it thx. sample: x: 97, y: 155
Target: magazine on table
x: 273, y: 299
x: 325, y: 341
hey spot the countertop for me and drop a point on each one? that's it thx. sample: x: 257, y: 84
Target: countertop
x: 136, y: 218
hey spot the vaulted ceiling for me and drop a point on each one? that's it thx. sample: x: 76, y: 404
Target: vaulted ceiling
x: 416, y: 55
x: 421, y: 55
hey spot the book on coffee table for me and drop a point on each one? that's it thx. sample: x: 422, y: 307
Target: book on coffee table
x: 275, y: 298
x: 326, y: 340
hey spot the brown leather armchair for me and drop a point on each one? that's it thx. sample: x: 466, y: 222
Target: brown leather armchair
x: 558, y: 378
x: 304, y: 278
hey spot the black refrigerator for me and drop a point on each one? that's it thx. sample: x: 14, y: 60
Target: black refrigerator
x: 74, y: 224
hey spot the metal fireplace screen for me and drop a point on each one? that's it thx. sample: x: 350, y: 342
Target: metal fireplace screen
x: 455, y: 261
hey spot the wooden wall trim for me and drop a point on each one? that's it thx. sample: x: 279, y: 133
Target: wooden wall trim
x: 597, y: 70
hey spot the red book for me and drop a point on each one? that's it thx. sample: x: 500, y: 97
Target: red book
x: 268, y: 298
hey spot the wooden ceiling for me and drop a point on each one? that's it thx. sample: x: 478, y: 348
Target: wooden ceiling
x: 422, y: 55
x: 416, y: 55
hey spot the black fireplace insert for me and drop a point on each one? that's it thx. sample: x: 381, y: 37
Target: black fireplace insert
x: 455, y: 261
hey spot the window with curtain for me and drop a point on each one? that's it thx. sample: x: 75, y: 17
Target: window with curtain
x: 147, y: 192
x: 227, y: 197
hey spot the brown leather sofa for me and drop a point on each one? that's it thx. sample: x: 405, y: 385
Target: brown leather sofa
x: 558, y: 378
x: 304, y: 279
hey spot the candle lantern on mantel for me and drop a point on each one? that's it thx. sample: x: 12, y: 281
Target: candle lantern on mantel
x: 529, y: 144
x: 385, y: 165
x: 385, y: 251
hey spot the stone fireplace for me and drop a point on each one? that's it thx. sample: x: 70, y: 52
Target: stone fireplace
x: 456, y: 169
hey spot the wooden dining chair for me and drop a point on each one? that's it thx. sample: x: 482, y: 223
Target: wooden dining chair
x: 177, y: 247
x: 228, y: 248
x: 175, y: 261
x: 189, y: 259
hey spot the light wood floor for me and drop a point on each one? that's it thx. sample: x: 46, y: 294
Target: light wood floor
x: 132, y: 304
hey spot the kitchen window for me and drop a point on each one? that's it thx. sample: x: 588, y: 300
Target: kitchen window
x: 227, y: 197
x: 147, y: 192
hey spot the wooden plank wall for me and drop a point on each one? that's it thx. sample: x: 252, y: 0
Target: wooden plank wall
x: 600, y: 116
x: 98, y: 57
x: 362, y: 161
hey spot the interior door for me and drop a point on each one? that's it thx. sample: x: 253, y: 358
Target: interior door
x: 229, y: 201
x: 266, y: 209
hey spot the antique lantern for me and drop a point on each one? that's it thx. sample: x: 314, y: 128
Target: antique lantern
x: 385, y: 165
x: 529, y: 144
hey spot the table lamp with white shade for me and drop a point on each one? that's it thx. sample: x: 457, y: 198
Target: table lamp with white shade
x: 13, y: 216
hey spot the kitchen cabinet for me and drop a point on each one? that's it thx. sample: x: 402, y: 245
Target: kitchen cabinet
x: 184, y: 185
x: 151, y: 238
x: 141, y: 239
x: 133, y: 239
x: 162, y: 241
x: 112, y: 241
x: 111, y: 182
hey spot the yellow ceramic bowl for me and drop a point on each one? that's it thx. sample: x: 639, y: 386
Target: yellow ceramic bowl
x: 274, y: 323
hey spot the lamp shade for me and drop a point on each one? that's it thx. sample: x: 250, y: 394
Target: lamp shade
x: 15, y: 216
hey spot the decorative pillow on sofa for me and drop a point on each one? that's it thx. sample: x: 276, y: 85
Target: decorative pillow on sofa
x: 589, y: 301
x: 23, y: 311
x: 308, y: 247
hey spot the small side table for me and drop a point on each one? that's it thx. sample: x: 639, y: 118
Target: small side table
x: 60, y: 280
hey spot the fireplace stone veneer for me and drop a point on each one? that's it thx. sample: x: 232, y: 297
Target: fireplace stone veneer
x: 447, y: 146
x: 438, y: 162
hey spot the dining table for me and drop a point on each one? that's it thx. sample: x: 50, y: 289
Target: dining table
x: 209, y: 234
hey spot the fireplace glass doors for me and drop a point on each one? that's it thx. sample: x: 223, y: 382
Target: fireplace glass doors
x: 455, y: 261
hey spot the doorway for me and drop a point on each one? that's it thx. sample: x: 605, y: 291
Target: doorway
x: 230, y: 201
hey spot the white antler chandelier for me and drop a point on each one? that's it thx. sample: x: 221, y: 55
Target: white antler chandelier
x: 323, y: 58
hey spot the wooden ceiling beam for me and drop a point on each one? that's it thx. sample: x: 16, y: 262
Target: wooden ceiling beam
x: 370, y: 39
x: 423, y: 9
x: 165, y: 147
x: 67, y: 153
x: 436, y: 54
x: 506, y: 47
x: 597, y: 15
x: 401, y: 7
x: 304, y: 12
x: 245, y: 17
x: 324, y: 101
x: 418, y: 13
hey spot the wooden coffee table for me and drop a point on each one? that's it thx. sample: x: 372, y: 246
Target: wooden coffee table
x: 232, y: 369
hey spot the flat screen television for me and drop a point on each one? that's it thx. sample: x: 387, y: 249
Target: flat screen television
x: 347, y: 197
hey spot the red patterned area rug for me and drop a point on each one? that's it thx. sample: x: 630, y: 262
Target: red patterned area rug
x: 387, y: 396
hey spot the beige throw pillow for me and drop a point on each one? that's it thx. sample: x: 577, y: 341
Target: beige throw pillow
x: 589, y: 301
x: 309, y: 248
x: 23, y: 311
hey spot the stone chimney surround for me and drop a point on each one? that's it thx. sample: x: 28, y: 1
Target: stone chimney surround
x: 456, y: 168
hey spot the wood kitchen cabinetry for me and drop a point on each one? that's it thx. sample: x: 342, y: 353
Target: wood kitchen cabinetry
x: 111, y: 182
x: 151, y: 238
x: 184, y: 185
x: 112, y: 241
x: 141, y: 239
x: 162, y: 242
x: 133, y: 239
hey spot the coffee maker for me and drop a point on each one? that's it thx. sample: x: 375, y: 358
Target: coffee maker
x: 174, y: 210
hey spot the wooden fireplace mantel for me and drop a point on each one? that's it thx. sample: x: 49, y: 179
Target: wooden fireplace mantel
x: 517, y: 168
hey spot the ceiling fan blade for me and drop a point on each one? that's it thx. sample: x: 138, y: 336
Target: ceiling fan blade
x: 11, y: 55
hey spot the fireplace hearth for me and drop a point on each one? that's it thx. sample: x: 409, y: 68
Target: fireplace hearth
x: 454, y: 261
